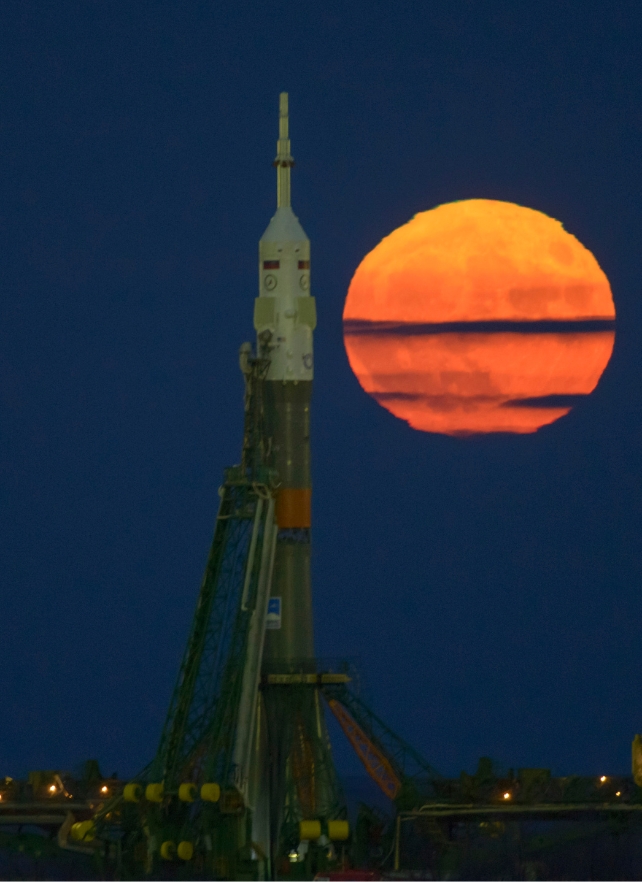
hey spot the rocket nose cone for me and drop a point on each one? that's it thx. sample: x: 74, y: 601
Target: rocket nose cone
x: 284, y: 227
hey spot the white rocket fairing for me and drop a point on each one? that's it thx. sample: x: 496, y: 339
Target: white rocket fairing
x: 284, y: 311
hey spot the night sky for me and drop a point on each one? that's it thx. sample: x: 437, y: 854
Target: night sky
x: 488, y: 588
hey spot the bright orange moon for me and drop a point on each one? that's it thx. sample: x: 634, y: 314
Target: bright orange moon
x: 479, y: 316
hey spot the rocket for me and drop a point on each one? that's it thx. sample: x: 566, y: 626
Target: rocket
x: 284, y: 320
x: 292, y: 775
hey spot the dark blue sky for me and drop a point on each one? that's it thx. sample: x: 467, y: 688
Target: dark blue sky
x: 490, y: 588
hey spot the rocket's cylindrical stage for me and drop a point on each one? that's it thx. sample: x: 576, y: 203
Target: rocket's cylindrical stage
x: 292, y: 776
x: 284, y: 319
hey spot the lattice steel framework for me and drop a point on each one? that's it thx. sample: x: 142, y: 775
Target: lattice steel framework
x: 199, y: 730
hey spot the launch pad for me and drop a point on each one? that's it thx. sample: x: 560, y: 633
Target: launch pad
x: 243, y: 783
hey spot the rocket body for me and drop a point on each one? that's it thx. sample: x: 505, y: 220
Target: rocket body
x: 292, y: 775
x: 284, y: 319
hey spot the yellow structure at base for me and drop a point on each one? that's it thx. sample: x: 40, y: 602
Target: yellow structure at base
x: 210, y: 792
x: 168, y: 850
x: 132, y: 792
x: 83, y: 831
x: 185, y: 850
x: 309, y: 829
x: 187, y: 792
x: 338, y: 830
x: 154, y: 792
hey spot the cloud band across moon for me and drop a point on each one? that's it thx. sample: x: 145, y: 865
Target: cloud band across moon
x: 353, y: 327
x: 481, y: 377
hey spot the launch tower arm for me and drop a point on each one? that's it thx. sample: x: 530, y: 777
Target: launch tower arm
x: 389, y: 760
x: 376, y: 763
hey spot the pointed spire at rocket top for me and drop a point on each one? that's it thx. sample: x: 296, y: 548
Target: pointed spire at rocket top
x: 284, y: 226
x: 283, y: 161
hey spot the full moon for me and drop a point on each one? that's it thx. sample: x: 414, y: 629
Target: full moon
x: 479, y: 316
